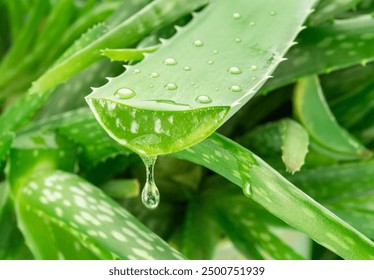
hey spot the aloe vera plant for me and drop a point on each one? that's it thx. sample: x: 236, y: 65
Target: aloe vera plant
x: 189, y: 100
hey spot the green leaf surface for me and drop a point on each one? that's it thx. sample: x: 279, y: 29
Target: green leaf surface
x: 268, y: 188
x: 86, y: 50
x: 311, y: 108
x: 284, y: 139
x: 250, y: 234
x: 328, y: 9
x: 165, y: 91
x: 80, y: 222
x: 198, y: 234
x: 127, y: 54
x: 324, y: 49
x: 346, y: 189
x: 5, y: 143
x: 120, y: 189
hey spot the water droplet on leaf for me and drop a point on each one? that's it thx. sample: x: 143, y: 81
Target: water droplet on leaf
x: 237, y: 40
x: 170, y: 61
x: 253, y: 68
x: 234, y: 70
x: 136, y: 71
x: 171, y: 86
x: 247, y: 189
x: 198, y: 43
x: 215, y: 51
x: 187, y: 68
x: 272, y: 13
x: 154, y: 75
x: 210, y: 62
x: 236, y: 16
x: 124, y: 93
x: 204, y: 99
x: 150, y: 193
x: 235, y: 88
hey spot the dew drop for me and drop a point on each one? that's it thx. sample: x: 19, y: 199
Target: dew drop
x: 252, y: 23
x: 170, y: 61
x: 253, y: 68
x: 124, y: 93
x: 198, y: 43
x: 235, y: 88
x: 210, y: 62
x: 237, y: 40
x: 215, y: 51
x: 254, y: 78
x: 272, y: 13
x: 136, y: 71
x: 216, y: 89
x: 192, y: 83
x: 236, y: 16
x: 247, y: 189
x: 187, y: 68
x: 171, y: 86
x: 234, y: 70
x: 150, y: 193
x: 203, y: 99
x: 154, y: 75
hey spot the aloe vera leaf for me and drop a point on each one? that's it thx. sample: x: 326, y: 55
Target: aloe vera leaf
x: 157, y: 88
x: 97, y: 14
x: 354, y: 109
x: 346, y: 189
x: 324, y: 49
x: 272, y: 191
x: 249, y: 231
x: 96, y: 144
x: 21, y: 46
x: 12, y: 245
x: 295, y: 141
x: 36, y: 152
x: 5, y: 143
x: 153, y: 16
x: 311, y: 108
x: 120, y: 189
x: 70, y: 206
x: 328, y: 9
x: 127, y: 54
x: 198, y: 235
x: 285, y: 138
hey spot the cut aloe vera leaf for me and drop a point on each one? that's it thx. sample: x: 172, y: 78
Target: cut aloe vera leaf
x: 311, y: 108
x: 167, y: 102
x: 324, y: 49
x: 328, y: 9
x: 269, y: 189
x: 80, y: 222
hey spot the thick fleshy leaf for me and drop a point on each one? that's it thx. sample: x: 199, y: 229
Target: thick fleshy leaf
x: 327, y: 9
x: 127, y: 54
x: 324, y: 49
x: 285, y: 139
x: 198, y: 235
x: 268, y: 188
x: 313, y: 112
x: 79, y: 221
x: 165, y: 92
x: 346, y: 189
